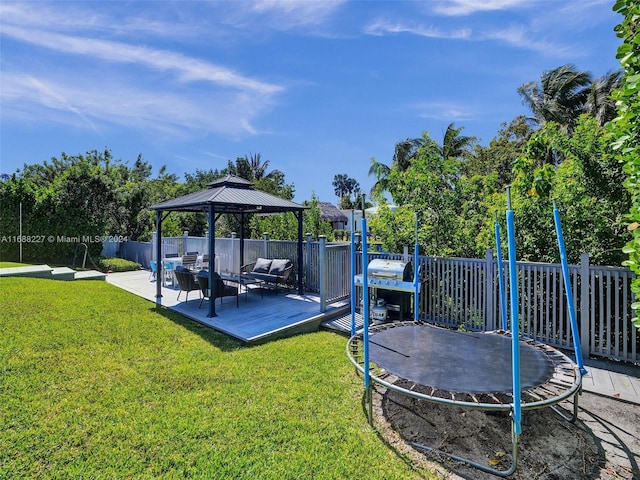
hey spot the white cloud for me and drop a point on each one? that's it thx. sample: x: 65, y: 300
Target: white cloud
x: 382, y: 26
x: 285, y: 14
x: 469, y: 7
x: 89, y: 80
x: 187, y: 69
x: 91, y: 103
x: 446, y: 111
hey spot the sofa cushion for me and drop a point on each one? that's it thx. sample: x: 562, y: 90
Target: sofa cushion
x: 262, y: 265
x: 278, y: 267
x: 265, y: 277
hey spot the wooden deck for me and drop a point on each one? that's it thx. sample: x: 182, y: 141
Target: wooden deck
x: 257, y: 318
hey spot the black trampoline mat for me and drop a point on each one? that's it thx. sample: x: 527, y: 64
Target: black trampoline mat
x: 456, y: 361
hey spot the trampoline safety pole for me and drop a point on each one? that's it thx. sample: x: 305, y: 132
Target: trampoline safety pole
x: 515, y: 333
x: 353, y: 273
x: 416, y: 280
x: 568, y: 290
x: 503, y: 299
x: 365, y: 318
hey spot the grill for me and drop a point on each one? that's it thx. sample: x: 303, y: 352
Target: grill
x: 389, y: 274
x: 393, y: 283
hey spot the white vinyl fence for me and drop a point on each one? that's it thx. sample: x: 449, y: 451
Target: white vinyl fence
x: 459, y: 292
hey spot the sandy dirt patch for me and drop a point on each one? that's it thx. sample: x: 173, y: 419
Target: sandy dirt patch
x: 604, y: 443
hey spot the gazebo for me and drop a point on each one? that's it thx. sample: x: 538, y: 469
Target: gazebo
x: 231, y: 195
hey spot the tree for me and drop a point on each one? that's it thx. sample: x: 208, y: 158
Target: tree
x: 344, y: 186
x: 252, y: 168
x: 427, y: 186
x: 313, y: 222
x: 559, y: 97
x: 599, y: 102
x: 587, y: 187
x: 455, y: 145
x: 79, y: 198
x: 258, y: 167
x: 405, y: 151
x: 503, y: 150
x: 625, y: 129
x: 381, y: 173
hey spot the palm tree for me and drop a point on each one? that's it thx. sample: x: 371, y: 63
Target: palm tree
x: 258, y: 167
x: 560, y: 96
x: 599, y: 103
x: 455, y: 145
x: 405, y: 151
x: 381, y: 173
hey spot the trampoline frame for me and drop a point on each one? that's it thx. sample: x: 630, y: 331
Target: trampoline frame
x: 565, y: 382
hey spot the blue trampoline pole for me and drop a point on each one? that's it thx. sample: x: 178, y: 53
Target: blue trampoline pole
x: 568, y: 290
x: 353, y: 273
x: 503, y: 298
x: 416, y: 280
x: 515, y: 333
x: 365, y: 303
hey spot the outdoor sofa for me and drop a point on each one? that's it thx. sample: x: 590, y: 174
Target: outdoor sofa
x: 271, y: 272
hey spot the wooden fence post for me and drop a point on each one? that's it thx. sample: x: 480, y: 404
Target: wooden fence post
x: 490, y: 312
x: 585, y: 279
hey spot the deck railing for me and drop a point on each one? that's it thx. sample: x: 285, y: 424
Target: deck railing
x: 460, y: 292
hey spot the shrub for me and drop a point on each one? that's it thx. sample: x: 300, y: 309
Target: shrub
x: 117, y: 265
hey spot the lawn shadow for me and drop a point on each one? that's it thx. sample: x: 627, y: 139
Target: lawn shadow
x: 219, y: 340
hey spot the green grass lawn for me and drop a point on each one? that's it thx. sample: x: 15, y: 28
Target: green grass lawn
x: 13, y: 264
x: 96, y: 383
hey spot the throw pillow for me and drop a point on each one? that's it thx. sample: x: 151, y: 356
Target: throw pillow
x: 262, y: 265
x: 278, y: 267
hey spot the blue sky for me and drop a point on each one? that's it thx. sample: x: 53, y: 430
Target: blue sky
x: 317, y: 88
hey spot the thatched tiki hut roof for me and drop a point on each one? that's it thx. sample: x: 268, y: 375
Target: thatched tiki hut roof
x: 330, y: 212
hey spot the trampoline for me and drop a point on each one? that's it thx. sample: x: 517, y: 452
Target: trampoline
x: 495, y: 370
x: 469, y: 369
x: 466, y: 369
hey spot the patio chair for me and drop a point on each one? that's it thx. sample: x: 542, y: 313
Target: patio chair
x: 171, y: 255
x: 205, y: 262
x: 168, y: 273
x: 189, y: 260
x: 154, y: 269
x: 186, y: 281
x: 220, y: 288
x: 192, y: 253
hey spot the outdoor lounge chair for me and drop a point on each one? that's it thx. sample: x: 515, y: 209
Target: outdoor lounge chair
x: 270, y: 272
x: 186, y: 281
x: 220, y: 288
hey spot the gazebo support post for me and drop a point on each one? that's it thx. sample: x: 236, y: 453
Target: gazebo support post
x: 299, y: 215
x: 241, y: 245
x: 212, y: 260
x: 159, y: 266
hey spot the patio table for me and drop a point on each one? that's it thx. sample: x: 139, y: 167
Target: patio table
x: 242, y: 282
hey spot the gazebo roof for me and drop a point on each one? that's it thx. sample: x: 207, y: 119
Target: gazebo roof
x: 230, y: 194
